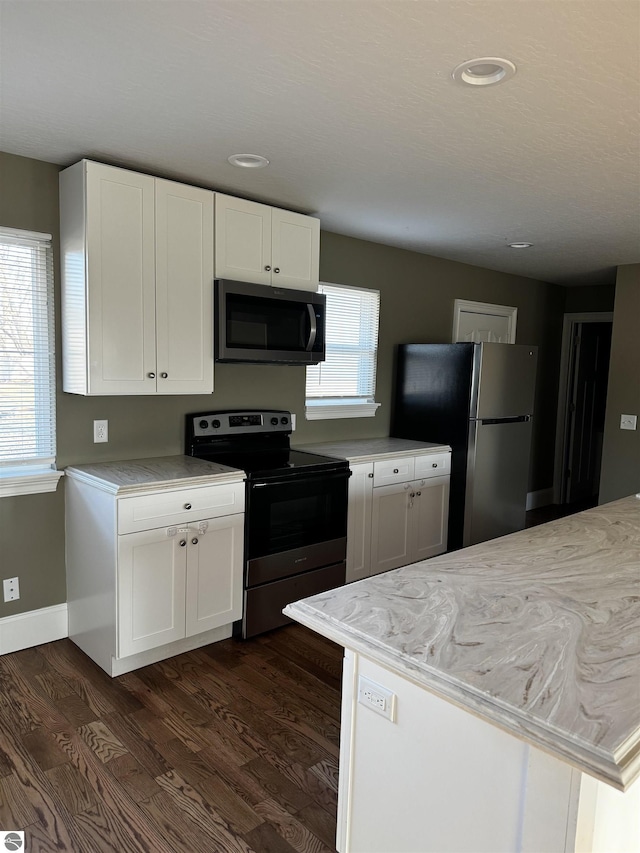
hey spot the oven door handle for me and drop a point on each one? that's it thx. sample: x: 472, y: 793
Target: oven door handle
x: 313, y: 327
x: 310, y: 478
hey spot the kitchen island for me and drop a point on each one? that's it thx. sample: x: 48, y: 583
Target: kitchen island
x: 491, y: 696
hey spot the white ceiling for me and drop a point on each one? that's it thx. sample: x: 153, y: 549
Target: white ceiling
x: 353, y: 103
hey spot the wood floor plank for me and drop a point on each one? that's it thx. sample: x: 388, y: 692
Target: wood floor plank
x: 188, y: 809
x: 133, y: 777
x: 293, y: 832
x: 102, y: 830
x: 281, y: 789
x: 74, y: 791
x: 227, y: 749
x: 319, y: 822
x: 15, y: 809
x: 266, y: 839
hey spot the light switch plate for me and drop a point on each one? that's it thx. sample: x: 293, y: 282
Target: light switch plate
x: 628, y: 421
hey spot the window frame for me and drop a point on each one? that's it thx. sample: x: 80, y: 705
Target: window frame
x: 351, y: 406
x: 37, y: 474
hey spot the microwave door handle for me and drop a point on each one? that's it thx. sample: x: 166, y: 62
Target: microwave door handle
x: 313, y: 327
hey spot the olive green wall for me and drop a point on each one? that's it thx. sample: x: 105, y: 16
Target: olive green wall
x: 597, y: 297
x: 417, y: 294
x: 620, y: 473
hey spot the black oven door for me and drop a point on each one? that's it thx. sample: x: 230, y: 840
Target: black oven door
x: 295, y: 524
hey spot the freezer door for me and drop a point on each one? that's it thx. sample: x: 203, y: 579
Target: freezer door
x: 504, y: 380
x: 497, y: 479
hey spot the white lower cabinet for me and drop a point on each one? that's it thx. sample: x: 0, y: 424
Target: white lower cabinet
x: 394, y: 518
x: 178, y: 582
x: 141, y: 596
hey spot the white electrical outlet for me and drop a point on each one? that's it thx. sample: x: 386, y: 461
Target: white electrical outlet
x: 11, y: 589
x: 377, y: 697
x: 628, y: 421
x: 100, y: 431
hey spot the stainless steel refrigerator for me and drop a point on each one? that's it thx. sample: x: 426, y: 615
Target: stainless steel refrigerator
x: 479, y: 399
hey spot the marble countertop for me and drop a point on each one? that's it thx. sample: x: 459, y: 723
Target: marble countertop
x: 130, y: 476
x: 370, y: 449
x: 537, y: 632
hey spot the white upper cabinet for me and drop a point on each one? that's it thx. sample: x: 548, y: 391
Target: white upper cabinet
x: 266, y: 245
x: 137, y: 283
x: 184, y: 289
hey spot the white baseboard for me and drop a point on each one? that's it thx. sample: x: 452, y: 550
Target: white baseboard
x: 543, y: 497
x: 25, y: 630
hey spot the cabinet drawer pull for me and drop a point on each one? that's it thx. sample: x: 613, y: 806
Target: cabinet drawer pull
x: 183, y: 542
x: 395, y: 470
x: 194, y: 541
x: 187, y: 506
x: 434, y: 464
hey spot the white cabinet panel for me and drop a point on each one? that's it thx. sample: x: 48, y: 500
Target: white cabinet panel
x: 137, y: 283
x: 179, y: 506
x: 184, y: 289
x: 214, y: 573
x: 295, y: 241
x: 151, y: 590
x: 243, y: 240
x: 391, y: 544
x: 359, y: 521
x: 393, y: 518
x: 266, y: 245
x: 120, y: 269
x: 430, y: 517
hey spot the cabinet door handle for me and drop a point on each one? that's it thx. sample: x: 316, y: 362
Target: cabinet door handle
x: 164, y: 375
x: 418, y: 493
x: 276, y: 269
x: 183, y: 542
x: 267, y: 268
x: 413, y: 494
x: 187, y: 506
x: 370, y: 475
x: 151, y: 375
x: 194, y: 541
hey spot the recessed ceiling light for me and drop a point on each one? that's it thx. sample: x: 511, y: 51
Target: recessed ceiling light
x: 520, y: 245
x: 248, y: 161
x: 485, y: 71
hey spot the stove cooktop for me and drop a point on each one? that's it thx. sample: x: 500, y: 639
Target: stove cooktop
x: 254, y: 441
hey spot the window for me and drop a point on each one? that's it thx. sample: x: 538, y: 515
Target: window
x: 344, y: 385
x: 27, y: 370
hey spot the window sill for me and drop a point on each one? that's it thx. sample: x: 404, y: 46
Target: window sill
x: 16, y: 481
x: 320, y: 411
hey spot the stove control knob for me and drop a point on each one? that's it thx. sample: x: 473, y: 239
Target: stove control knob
x: 204, y: 424
x: 215, y: 424
x: 284, y: 420
x: 274, y: 421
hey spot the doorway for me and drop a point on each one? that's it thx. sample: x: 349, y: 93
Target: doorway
x: 586, y: 347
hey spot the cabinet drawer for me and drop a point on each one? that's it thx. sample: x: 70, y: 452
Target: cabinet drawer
x: 145, y: 512
x: 433, y: 465
x: 389, y: 471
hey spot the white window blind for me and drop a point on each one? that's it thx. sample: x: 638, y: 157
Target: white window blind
x: 27, y: 369
x: 344, y: 384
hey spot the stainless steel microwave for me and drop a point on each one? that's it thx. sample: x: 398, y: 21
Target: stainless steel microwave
x: 268, y: 325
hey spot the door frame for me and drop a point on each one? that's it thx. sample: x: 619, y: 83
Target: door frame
x: 566, y: 365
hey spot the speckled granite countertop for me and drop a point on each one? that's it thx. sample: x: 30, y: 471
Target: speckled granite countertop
x: 134, y: 475
x: 537, y: 632
x: 369, y: 449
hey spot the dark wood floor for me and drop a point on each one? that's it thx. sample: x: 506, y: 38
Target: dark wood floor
x: 553, y: 511
x: 228, y: 749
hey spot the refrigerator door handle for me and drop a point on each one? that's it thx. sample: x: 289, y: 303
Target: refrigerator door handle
x: 520, y: 419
